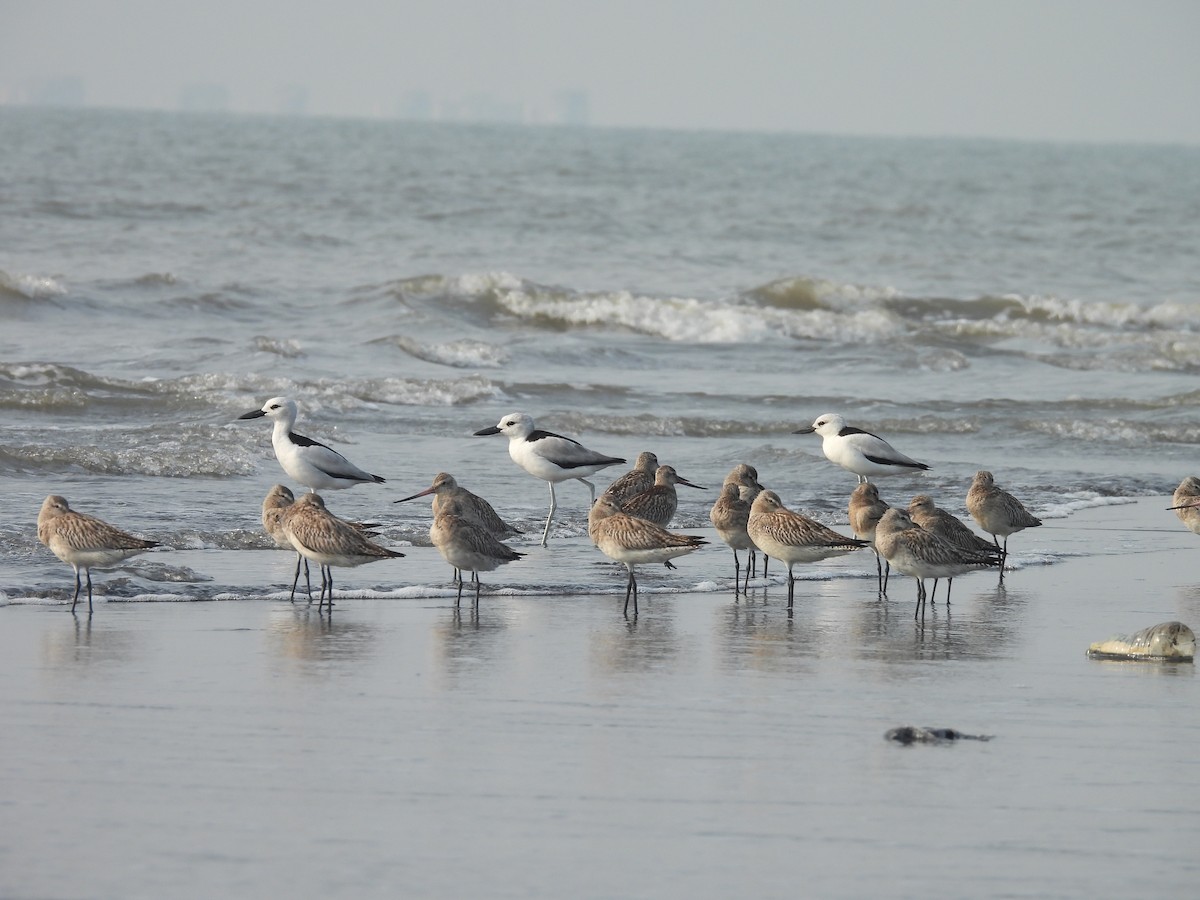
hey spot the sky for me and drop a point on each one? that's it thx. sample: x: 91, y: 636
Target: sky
x: 1060, y: 70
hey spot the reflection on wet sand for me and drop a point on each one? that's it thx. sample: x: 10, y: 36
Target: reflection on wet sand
x: 644, y: 644
x: 82, y: 642
x: 306, y: 633
x: 757, y: 632
x: 468, y: 641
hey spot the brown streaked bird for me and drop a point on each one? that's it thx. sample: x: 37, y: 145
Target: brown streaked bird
x: 467, y: 545
x: 320, y: 536
x: 446, y: 490
x: 279, y: 498
x: 83, y: 541
x: 922, y: 554
x: 791, y: 537
x: 730, y: 515
x: 925, y: 514
x: 639, y: 478
x: 997, y: 512
x: 658, y: 504
x: 745, y: 474
x: 1186, y: 503
x: 865, y: 510
x: 630, y: 541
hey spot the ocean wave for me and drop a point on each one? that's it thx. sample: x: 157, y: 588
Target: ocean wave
x: 51, y: 387
x: 1073, y: 503
x: 167, y: 452
x: 461, y: 354
x: 804, y: 293
x: 1117, y: 431
x: 1059, y: 331
x: 428, y: 391
x: 284, y: 348
x: 30, y: 287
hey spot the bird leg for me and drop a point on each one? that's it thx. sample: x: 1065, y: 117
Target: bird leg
x: 78, y: 587
x: 307, y: 578
x: 791, y: 586
x: 475, y: 578
x: 631, y: 586
x: 553, y: 507
x: 326, y: 581
x: 592, y: 488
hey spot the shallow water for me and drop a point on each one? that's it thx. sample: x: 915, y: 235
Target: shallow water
x: 546, y: 746
x: 1030, y: 309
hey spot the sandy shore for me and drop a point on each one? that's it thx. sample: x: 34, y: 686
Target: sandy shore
x: 548, y: 747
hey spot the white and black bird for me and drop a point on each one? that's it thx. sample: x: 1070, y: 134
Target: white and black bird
x: 317, y: 467
x: 550, y: 457
x: 858, y: 451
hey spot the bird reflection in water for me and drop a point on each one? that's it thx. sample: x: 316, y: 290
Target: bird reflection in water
x: 305, y: 633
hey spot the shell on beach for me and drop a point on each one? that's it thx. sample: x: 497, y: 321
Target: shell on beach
x: 1169, y: 642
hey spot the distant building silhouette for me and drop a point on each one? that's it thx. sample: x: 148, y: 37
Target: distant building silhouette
x: 204, y: 98
x: 61, y: 90
x: 574, y: 107
x: 417, y: 105
x: 293, y: 100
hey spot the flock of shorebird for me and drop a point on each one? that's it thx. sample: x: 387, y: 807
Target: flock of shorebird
x: 628, y: 522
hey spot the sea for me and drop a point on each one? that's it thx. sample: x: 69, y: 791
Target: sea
x: 1032, y: 309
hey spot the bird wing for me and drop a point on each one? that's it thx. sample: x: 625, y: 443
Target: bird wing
x: 568, y: 453
x: 877, y: 450
x: 330, y: 462
x: 85, y: 532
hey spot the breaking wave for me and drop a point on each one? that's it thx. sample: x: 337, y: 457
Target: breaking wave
x: 1059, y: 331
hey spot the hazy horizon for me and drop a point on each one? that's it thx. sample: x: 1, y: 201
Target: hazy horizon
x: 1102, y: 71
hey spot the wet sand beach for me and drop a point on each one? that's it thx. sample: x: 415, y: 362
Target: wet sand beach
x: 549, y: 747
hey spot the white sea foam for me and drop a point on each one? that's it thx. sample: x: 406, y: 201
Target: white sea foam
x: 461, y: 354
x: 33, y: 287
x: 431, y: 392
x: 286, y: 348
x: 1074, y: 502
x: 692, y: 320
